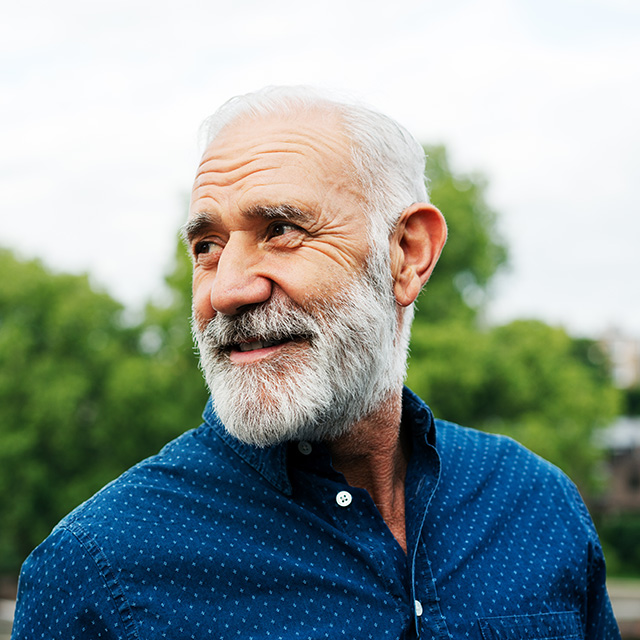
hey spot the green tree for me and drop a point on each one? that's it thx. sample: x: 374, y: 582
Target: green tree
x: 632, y: 401
x: 167, y: 330
x: 474, y: 252
x: 80, y: 399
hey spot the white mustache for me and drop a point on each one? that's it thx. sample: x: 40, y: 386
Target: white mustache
x: 274, y: 321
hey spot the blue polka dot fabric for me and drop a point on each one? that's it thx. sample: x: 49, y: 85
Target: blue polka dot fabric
x: 212, y: 538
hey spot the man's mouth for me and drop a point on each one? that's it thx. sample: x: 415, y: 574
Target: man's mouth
x: 259, y: 344
x: 255, y: 343
x: 253, y: 350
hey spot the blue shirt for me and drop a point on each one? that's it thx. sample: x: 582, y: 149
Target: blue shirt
x: 213, y: 538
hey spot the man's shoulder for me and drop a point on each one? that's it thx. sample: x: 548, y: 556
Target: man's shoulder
x: 490, y: 448
x: 136, y: 491
x: 480, y: 455
x: 506, y: 470
x: 456, y: 436
x: 126, y: 533
x: 493, y: 453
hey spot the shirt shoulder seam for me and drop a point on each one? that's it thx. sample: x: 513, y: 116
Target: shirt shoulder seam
x: 95, y: 552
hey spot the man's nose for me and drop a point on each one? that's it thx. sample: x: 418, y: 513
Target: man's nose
x: 238, y: 282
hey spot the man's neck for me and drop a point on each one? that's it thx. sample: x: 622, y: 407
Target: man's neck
x: 374, y: 457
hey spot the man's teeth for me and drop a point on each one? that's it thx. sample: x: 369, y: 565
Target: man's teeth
x: 258, y: 344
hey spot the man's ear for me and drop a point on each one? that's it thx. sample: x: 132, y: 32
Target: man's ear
x: 416, y: 245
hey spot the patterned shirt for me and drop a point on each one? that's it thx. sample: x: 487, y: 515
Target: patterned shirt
x: 213, y: 538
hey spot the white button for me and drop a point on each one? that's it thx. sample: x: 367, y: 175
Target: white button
x: 304, y: 447
x: 344, y: 498
x: 419, y: 609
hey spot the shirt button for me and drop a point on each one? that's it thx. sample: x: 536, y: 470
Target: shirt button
x: 344, y: 498
x: 304, y: 447
x: 419, y: 609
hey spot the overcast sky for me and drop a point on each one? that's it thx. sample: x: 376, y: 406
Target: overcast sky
x: 101, y: 102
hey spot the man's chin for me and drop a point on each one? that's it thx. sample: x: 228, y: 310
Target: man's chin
x: 266, y: 418
x: 262, y: 402
x: 259, y: 423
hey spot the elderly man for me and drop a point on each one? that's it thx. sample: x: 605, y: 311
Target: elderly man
x: 319, y: 499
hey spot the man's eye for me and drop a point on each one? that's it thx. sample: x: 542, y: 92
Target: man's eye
x: 203, y: 247
x: 280, y: 228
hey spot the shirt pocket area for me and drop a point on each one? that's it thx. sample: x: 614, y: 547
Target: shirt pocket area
x: 545, y: 626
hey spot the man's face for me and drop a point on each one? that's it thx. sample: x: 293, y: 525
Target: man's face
x: 274, y: 211
x: 281, y: 293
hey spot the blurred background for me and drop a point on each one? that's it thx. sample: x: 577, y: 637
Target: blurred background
x: 529, y: 327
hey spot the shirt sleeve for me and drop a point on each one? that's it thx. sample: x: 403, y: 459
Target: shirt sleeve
x: 600, y: 622
x: 64, y: 592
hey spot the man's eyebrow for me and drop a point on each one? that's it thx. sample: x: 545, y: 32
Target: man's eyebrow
x: 287, y: 212
x: 201, y: 223
x: 196, y: 226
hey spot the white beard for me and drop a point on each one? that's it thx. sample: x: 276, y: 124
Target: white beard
x: 344, y: 362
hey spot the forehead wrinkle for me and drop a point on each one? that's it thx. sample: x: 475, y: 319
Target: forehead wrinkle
x: 212, y: 172
x: 225, y: 162
x: 212, y: 178
x: 234, y: 159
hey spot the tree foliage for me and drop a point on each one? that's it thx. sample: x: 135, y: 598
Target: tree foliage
x: 474, y: 252
x: 619, y: 534
x: 632, y: 401
x: 169, y: 329
x: 80, y: 399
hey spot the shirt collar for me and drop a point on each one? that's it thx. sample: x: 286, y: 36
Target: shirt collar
x: 417, y: 416
x: 271, y: 462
